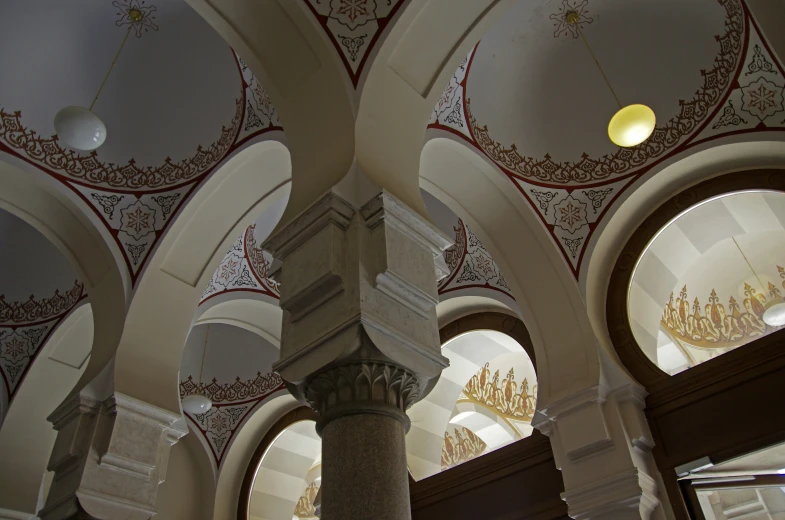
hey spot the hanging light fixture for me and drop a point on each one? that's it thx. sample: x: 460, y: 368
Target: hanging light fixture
x: 774, y: 309
x: 197, y: 403
x: 78, y: 127
x: 632, y: 124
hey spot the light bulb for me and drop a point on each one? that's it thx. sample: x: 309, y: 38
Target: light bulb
x: 196, y: 404
x: 80, y: 129
x: 631, y: 125
x: 774, y: 315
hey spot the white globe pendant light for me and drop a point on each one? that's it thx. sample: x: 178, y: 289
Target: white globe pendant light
x: 197, y: 403
x: 774, y: 315
x: 632, y: 124
x: 79, y: 128
x: 774, y: 309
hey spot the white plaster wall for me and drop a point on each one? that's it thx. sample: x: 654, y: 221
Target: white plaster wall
x: 189, y: 489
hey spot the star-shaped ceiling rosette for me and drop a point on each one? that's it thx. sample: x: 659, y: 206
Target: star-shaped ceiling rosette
x: 740, y: 91
x: 137, y: 198
x: 354, y: 27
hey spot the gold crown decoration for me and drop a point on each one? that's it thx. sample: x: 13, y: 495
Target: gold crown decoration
x: 719, y: 326
x: 465, y: 445
x: 305, y: 507
x: 503, y: 398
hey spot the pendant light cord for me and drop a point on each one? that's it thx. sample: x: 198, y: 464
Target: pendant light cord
x: 125, y: 38
x: 204, y: 354
x: 594, y: 56
x: 750, y: 265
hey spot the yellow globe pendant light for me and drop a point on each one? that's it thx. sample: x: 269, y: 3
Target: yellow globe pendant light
x: 632, y: 124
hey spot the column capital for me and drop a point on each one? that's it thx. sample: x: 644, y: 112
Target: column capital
x: 363, y: 387
x: 358, y: 290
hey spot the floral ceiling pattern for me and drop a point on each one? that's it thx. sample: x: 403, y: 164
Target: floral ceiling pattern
x: 354, y: 27
x: 24, y: 329
x: 244, y: 268
x: 742, y: 92
x: 471, y: 266
x: 232, y: 403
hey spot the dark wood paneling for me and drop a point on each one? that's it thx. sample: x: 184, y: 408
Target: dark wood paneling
x: 519, y: 481
x: 724, y: 409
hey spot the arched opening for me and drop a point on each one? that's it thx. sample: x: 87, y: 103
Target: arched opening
x: 46, y: 335
x: 710, y: 280
x: 483, y: 401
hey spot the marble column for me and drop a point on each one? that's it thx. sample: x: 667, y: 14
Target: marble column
x: 360, y: 341
x: 109, y: 457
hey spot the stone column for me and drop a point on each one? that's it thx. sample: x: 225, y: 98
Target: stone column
x: 109, y: 458
x: 602, y: 445
x: 360, y: 341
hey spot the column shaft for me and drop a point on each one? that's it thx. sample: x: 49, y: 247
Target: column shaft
x: 364, y: 471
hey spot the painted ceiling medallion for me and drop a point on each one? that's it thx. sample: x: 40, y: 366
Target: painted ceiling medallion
x: 571, y: 16
x: 138, y: 14
x: 353, y: 13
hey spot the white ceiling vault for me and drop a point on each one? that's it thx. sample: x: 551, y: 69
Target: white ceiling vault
x: 178, y: 103
x: 530, y: 98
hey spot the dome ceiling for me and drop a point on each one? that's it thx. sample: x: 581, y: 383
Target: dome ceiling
x: 177, y: 104
x: 530, y: 97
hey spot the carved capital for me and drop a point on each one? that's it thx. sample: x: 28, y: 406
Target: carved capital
x: 362, y: 387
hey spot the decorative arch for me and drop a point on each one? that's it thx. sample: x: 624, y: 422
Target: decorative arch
x: 60, y: 220
x: 542, y: 285
x: 616, y: 311
x: 468, y: 400
x: 300, y: 414
x: 26, y: 437
x: 168, y: 293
